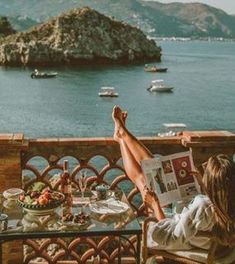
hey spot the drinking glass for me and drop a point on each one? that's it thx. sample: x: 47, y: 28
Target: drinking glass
x: 82, y: 182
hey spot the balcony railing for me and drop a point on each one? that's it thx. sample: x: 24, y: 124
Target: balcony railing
x: 24, y: 161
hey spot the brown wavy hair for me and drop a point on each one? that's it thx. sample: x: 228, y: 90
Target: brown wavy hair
x: 219, y: 185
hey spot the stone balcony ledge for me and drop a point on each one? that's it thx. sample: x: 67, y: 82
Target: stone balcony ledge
x: 208, y: 138
x: 187, y: 138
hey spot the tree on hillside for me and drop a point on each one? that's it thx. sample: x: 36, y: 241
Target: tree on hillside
x: 5, y: 27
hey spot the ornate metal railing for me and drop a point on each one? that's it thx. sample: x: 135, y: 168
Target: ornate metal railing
x: 102, y: 164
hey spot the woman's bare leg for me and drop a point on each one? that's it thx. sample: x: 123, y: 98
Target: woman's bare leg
x: 138, y: 150
x: 132, y: 150
x: 132, y: 168
x: 131, y: 163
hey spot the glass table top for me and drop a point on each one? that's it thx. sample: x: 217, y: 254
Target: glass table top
x: 23, y: 225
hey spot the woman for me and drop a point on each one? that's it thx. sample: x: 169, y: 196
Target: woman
x: 213, y: 210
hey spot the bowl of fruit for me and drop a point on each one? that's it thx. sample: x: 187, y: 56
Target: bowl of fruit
x: 40, y: 200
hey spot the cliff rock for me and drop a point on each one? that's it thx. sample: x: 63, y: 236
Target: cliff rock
x: 80, y: 36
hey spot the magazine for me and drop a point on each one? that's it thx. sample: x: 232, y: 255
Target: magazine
x: 170, y: 177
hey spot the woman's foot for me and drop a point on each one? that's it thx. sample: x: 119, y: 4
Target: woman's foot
x: 124, y: 117
x: 119, y: 119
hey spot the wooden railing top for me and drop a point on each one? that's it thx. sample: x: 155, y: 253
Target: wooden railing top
x: 101, y: 141
x: 186, y: 139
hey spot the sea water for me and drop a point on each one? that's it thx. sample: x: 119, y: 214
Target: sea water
x: 202, y: 74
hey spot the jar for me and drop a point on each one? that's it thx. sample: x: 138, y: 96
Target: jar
x: 3, y: 222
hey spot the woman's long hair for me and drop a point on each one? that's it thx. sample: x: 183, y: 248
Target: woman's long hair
x: 219, y: 185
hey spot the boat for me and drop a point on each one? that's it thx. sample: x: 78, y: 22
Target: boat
x: 148, y: 68
x: 108, y: 92
x: 172, y: 129
x: 159, y: 86
x: 43, y: 75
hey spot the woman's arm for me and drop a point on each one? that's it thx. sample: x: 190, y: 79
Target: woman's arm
x: 179, y: 231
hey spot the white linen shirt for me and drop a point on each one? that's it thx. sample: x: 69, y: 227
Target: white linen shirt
x: 179, y: 232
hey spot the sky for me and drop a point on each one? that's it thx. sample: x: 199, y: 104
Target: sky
x: 226, y: 5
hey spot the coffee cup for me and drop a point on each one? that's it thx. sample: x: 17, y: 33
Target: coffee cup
x: 102, y: 191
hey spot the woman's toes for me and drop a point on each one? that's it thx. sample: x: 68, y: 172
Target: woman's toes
x: 124, y: 116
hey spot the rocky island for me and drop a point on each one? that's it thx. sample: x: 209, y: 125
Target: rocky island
x: 80, y: 36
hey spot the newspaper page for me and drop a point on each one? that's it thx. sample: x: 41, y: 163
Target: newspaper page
x: 170, y: 177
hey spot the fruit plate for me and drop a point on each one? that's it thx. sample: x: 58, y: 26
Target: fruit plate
x: 77, y: 226
x: 44, y: 209
x: 79, y: 221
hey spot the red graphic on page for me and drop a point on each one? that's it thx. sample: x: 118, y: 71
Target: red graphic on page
x: 182, y: 169
x: 167, y: 166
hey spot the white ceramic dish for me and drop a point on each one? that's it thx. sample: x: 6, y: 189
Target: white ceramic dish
x: 12, y: 193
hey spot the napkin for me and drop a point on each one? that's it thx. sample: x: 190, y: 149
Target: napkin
x: 109, y: 206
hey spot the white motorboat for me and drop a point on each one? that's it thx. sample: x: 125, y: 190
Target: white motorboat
x: 42, y: 75
x: 159, y: 86
x: 172, y: 129
x: 108, y: 92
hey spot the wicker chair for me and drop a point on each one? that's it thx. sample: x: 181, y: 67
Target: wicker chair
x: 193, y: 256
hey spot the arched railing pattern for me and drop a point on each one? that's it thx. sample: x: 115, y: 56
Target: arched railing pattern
x: 102, y: 164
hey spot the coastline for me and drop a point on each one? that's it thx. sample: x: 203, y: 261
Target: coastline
x: 201, y: 72
x: 185, y: 39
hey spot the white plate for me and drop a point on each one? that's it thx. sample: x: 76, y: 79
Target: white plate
x: 110, y: 206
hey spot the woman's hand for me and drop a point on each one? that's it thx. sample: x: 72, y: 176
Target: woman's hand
x: 198, y: 176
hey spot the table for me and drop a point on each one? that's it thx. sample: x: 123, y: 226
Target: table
x: 120, y: 226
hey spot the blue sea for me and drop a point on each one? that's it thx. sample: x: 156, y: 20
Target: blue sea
x: 202, y: 74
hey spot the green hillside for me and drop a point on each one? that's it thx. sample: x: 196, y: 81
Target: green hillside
x: 154, y: 18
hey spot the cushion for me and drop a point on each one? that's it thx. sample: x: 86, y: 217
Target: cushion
x: 194, y: 254
x: 201, y: 256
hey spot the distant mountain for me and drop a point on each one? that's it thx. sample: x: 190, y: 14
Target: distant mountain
x: 154, y: 18
x: 197, y: 19
x: 21, y: 23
